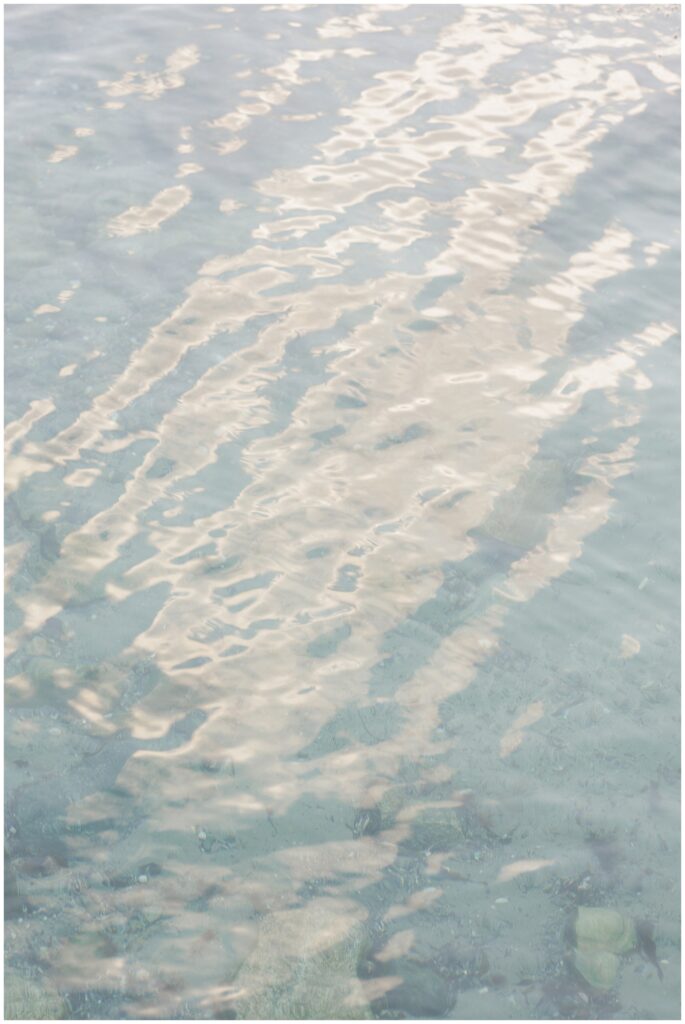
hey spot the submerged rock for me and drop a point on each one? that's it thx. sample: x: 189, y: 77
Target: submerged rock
x: 391, y: 803
x: 27, y: 1000
x: 13, y: 901
x: 34, y: 810
x: 597, y: 967
x: 421, y: 993
x: 304, y: 966
x: 600, y: 937
x: 42, y: 670
x: 604, y: 929
x: 367, y: 822
x: 520, y: 515
x: 435, y: 828
x: 373, y: 818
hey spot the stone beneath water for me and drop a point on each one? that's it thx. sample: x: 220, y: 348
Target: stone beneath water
x: 597, y: 967
x: 519, y: 517
x: 421, y: 993
x: 605, y: 929
x: 35, y: 809
x: 304, y: 966
x: 26, y: 1000
x: 435, y: 828
x: 391, y: 803
x: 14, y: 904
x: 601, y: 936
x: 42, y: 670
x: 371, y: 819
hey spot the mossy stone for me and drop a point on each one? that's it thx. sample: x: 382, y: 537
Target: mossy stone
x: 304, y: 966
x: 26, y: 1000
x: 42, y: 670
x: 435, y: 828
x: 605, y: 929
x: 391, y: 803
x: 597, y: 967
x: 423, y: 994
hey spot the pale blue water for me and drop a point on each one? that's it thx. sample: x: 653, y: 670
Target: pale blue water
x: 342, y: 605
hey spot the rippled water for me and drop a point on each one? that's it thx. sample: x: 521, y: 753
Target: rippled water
x: 342, y: 525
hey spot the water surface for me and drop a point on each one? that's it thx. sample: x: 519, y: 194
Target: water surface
x: 342, y: 510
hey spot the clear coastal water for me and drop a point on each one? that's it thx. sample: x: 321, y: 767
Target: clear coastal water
x: 342, y: 511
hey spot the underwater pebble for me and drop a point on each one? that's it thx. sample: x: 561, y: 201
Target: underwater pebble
x: 598, y: 967
x: 601, y: 936
x: 605, y: 929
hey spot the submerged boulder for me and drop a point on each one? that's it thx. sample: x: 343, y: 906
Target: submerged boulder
x: 417, y: 992
x: 25, y: 999
x: 600, y: 937
x: 599, y: 927
x: 304, y: 965
x: 435, y: 828
x: 520, y: 515
x: 598, y: 967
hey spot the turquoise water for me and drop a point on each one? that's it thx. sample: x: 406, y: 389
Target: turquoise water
x: 342, y: 474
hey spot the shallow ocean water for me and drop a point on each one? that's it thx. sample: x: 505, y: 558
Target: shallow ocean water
x: 342, y: 473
